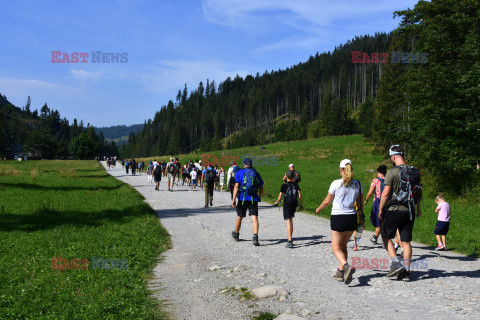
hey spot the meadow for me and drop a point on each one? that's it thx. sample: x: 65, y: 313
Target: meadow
x: 75, y: 243
x: 317, y: 160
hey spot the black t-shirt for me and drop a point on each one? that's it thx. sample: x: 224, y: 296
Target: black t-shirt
x: 284, y: 188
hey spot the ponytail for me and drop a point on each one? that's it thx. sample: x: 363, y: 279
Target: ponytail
x: 347, y: 174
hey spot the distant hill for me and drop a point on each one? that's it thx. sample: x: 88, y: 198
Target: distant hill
x: 118, y: 133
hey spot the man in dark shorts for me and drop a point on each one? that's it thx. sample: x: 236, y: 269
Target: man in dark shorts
x: 396, y: 217
x: 296, y: 174
x: 247, y: 181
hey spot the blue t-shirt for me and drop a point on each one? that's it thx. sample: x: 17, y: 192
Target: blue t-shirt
x: 239, y: 179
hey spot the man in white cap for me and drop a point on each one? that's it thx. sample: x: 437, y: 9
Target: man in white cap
x: 296, y: 174
x: 171, y: 173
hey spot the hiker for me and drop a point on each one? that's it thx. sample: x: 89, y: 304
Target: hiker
x: 185, y: 174
x: 133, y: 166
x: 171, y: 173
x: 208, y: 183
x: 291, y: 193
x: 127, y: 165
x: 296, y: 178
x: 248, y: 190
x: 343, y: 222
x: 199, y: 171
x: 443, y: 222
x: 150, y: 172
x: 123, y: 164
x: 395, y: 213
x: 193, y: 176
x: 232, y: 171
x: 376, y: 188
x: 178, y: 168
x: 221, y: 178
x: 164, y: 168
x: 157, y: 176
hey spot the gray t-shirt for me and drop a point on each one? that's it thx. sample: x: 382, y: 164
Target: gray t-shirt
x: 392, y: 179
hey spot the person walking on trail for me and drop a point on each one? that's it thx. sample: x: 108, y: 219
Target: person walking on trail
x: 397, y: 213
x: 150, y: 172
x: 247, y: 194
x: 443, y: 222
x: 291, y: 193
x: 157, y: 176
x: 127, y: 166
x: 171, y: 173
x: 343, y: 222
x: 221, y: 178
x: 193, y: 178
x: 232, y: 171
x: 296, y: 177
x: 208, y: 183
x: 178, y: 167
x: 133, y: 166
x: 376, y: 189
x: 199, y: 171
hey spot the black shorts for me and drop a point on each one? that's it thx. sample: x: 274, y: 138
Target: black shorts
x: 289, y: 212
x: 441, y: 228
x: 343, y: 222
x: 393, y: 220
x: 251, y: 206
x: 185, y: 175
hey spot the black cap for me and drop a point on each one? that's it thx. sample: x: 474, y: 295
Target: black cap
x: 247, y: 161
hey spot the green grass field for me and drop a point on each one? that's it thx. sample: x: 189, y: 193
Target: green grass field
x: 318, y: 160
x: 75, y: 210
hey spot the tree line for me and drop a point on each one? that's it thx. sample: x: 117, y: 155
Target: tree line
x: 45, y: 135
x: 431, y: 108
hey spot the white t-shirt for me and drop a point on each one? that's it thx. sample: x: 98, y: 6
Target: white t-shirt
x: 193, y: 174
x: 344, y: 201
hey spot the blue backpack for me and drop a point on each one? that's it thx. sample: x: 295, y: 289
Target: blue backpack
x: 382, y: 184
x: 250, y: 183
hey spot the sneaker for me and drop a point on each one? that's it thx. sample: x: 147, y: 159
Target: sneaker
x: 289, y: 244
x: 255, y: 241
x: 347, y: 273
x: 355, y: 247
x: 338, y: 276
x: 374, y: 240
x: 235, y: 235
x: 206, y: 207
x: 440, y: 248
x: 211, y: 203
x: 404, y: 275
x: 395, y: 270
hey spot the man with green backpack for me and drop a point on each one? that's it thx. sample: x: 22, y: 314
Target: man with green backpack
x: 249, y: 190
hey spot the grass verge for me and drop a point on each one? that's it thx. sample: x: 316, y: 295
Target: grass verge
x: 55, y: 214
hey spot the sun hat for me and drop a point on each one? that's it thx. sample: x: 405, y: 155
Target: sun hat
x: 344, y: 163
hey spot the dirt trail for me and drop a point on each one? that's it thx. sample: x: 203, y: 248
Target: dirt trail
x: 194, y: 276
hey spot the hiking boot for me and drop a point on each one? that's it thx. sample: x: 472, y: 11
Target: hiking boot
x: 404, y: 275
x: 235, y: 236
x: 206, y: 207
x: 338, y: 276
x: 374, y: 240
x: 255, y: 241
x: 395, y: 270
x: 347, y: 273
x: 211, y: 203
x: 289, y: 244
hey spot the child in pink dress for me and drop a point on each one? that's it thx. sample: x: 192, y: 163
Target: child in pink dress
x: 443, y: 222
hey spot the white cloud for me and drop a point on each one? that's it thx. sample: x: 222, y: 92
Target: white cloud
x: 171, y: 75
x: 86, y: 76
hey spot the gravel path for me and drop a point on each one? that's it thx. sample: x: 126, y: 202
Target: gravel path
x: 198, y: 275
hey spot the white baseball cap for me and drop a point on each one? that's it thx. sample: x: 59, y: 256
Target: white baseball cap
x: 291, y: 165
x: 344, y: 163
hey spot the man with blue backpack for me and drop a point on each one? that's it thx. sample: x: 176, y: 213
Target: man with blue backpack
x: 376, y: 189
x: 248, y: 191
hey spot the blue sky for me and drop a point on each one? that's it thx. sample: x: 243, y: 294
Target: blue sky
x: 169, y: 43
